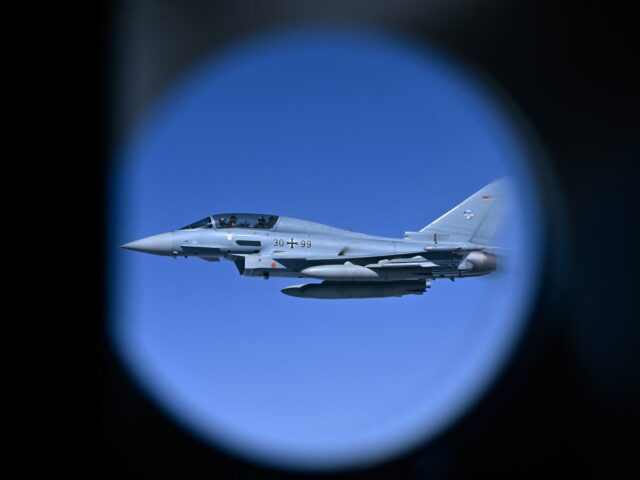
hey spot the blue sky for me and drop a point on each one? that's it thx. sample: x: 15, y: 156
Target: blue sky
x: 355, y: 131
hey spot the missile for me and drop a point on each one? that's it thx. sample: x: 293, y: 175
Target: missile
x: 337, y: 290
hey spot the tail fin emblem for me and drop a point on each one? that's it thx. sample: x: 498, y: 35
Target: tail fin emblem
x: 469, y: 214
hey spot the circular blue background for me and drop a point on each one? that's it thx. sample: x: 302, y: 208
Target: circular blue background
x: 357, y: 131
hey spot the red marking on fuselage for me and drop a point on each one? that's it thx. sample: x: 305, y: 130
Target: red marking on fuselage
x: 273, y: 265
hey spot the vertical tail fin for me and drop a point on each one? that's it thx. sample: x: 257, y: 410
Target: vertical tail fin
x: 475, y: 220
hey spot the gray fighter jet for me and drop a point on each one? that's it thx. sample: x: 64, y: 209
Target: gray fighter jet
x: 351, y: 265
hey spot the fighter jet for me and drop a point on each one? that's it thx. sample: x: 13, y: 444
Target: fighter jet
x: 350, y: 264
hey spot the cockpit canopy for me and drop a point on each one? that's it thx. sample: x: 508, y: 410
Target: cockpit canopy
x: 245, y: 220
x: 236, y: 220
x: 204, y: 223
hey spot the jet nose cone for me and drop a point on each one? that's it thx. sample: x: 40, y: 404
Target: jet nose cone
x: 161, y: 244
